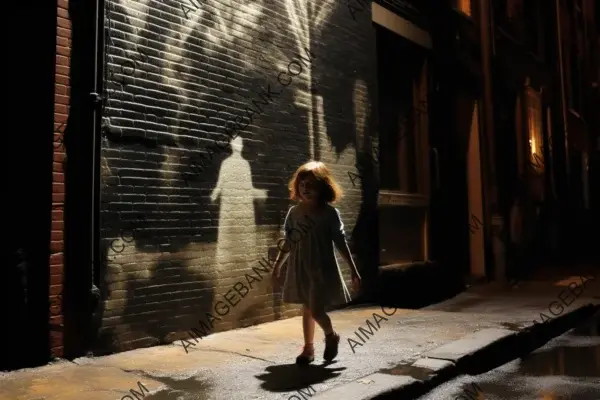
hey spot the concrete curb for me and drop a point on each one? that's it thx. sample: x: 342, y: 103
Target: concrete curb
x: 523, y: 342
x: 500, y: 350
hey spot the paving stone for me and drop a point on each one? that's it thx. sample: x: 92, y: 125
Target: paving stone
x: 433, y: 364
x: 469, y: 344
x: 367, y: 387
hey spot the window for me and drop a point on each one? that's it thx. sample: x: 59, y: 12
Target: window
x: 401, y: 145
x: 464, y: 6
x: 534, y: 128
x: 398, y: 143
x: 403, y: 114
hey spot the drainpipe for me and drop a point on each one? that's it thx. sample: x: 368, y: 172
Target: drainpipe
x: 96, y: 102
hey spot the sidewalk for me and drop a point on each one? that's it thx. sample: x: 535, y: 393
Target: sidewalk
x: 257, y: 362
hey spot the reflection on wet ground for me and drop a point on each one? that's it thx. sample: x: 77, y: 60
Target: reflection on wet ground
x: 566, y: 368
x: 563, y: 360
x: 192, y: 388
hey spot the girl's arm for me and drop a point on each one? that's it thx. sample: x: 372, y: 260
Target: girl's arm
x: 345, y: 253
x: 339, y: 238
x: 282, y: 256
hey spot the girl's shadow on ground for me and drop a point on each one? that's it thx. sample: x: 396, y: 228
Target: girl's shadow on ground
x: 288, y: 377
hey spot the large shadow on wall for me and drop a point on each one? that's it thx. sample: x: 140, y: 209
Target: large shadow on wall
x: 195, y: 81
x: 350, y: 105
x: 171, y: 299
x: 173, y: 78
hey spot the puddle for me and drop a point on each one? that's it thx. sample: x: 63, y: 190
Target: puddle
x: 558, y: 373
x: 576, y: 354
x: 581, y: 361
x: 184, y: 389
x: 419, y: 373
x: 519, y: 389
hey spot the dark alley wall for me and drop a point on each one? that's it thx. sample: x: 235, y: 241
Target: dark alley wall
x: 62, y: 91
x: 211, y: 106
x: 24, y: 275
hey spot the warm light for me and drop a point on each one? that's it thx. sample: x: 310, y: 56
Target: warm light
x: 534, y: 125
x: 464, y: 6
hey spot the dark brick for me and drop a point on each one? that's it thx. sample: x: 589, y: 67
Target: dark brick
x: 156, y: 129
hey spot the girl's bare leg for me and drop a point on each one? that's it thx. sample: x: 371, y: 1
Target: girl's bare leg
x: 308, y: 326
x: 332, y: 339
x: 323, y: 320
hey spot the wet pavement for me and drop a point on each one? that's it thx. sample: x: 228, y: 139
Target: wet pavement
x: 257, y: 362
x: 566, y: 368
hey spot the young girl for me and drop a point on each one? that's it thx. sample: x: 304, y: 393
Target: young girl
x: 313, y: 276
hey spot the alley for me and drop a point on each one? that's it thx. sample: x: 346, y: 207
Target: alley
x: 258, y: 362
x: 196, y: 184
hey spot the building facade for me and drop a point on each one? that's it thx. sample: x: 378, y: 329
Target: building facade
x: 206, y: 110
x: 579, y: 71
x: 544, y: 58
x: 177, y: 125
x: 506, y: 85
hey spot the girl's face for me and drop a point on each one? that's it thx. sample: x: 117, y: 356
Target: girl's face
x: 308, y: 189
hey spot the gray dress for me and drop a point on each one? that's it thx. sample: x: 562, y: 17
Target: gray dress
x: 313, y: 276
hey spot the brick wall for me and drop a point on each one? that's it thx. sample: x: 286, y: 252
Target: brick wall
x: 61, y: 111
x: 184, y: 218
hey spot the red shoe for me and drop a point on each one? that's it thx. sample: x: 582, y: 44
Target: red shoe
x: 307, y: 356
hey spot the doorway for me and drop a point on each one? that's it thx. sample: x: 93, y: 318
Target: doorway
x: 475, y: 199
x: 456, y: 222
